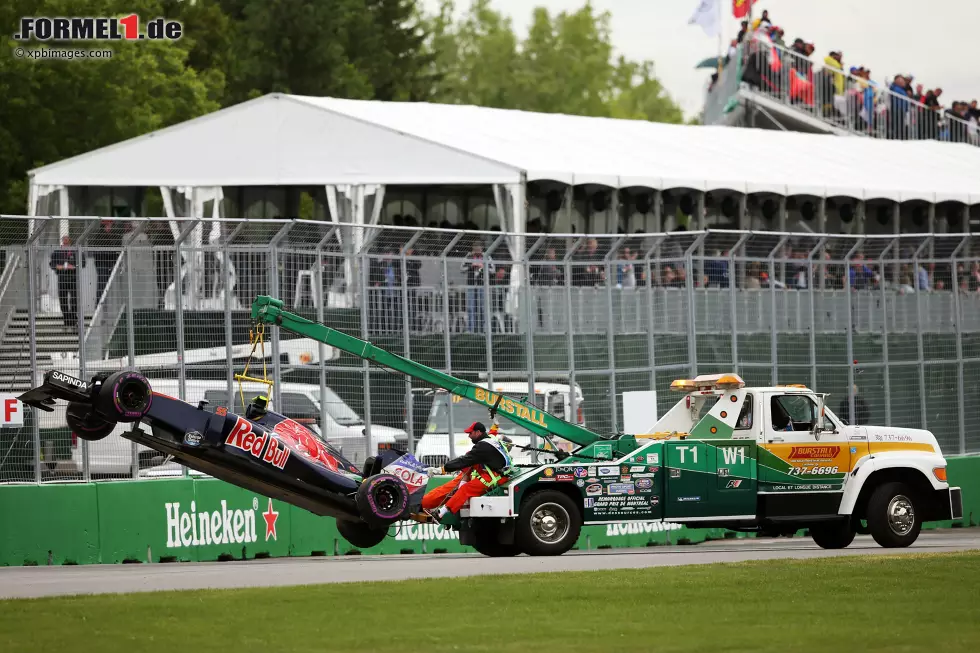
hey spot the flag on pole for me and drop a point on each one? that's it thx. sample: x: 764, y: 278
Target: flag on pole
x: 706, y: 15
x: 741, y: 8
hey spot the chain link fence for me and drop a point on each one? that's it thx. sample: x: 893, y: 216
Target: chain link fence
x: 888, y: 325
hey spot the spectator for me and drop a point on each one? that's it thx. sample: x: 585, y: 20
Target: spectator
x: 473, y: 266
x: 923, y: 278
x: 776, y: 35
x: 906, y: 286
x: 763, y: 21
x: 413, y: 280
x: 833, y: 82
x: 753, y: 276
x: 743, y: 31
x: 929, y: 123
x: 550, y: 273
x: 898, y: 105
x: 109, y: 237
x: 861, y: 275
x: 862, y: 414
x: 625, y: 276
x: 588, y: 275
x: 799, y: 272
x: 716, y: 272
x: 64, y: 262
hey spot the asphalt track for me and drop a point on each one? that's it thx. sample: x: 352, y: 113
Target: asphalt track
x: 25, y: 582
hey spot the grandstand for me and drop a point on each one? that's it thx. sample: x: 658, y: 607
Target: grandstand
x: 766, y: 84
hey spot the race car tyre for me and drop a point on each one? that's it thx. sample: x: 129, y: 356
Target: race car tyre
x: 382, y: 499
x: 84, y: 423
x: 832, y: 535
x: 124, y: 397
x: 485, y: 540
x: 548, y: 525
x: 893, y: 517
x: 361, y: 535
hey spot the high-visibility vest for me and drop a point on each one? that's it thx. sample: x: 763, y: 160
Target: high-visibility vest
x: 495, y: 477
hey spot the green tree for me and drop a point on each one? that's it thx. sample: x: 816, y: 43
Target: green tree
x: 52, y: 110
x: 564, y: 65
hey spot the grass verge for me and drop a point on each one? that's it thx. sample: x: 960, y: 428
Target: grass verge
x: 875, y: 603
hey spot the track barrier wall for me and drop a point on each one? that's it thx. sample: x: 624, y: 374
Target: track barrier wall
x: 189, y: 519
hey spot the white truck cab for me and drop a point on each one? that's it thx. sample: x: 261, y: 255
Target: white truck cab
x: 555, y: 398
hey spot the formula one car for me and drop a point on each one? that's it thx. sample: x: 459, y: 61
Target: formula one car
x: 262, y: 451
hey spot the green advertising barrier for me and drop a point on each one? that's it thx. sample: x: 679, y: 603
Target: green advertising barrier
x: 206, y: 519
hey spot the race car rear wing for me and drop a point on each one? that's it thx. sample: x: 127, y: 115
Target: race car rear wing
x: 58, y: 385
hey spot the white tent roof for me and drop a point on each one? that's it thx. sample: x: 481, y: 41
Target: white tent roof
x: 293, y: 140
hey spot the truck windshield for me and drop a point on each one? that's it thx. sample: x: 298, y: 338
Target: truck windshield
x: 465, y: 412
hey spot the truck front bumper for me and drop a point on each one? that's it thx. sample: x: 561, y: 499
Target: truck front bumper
x: 955, y: 503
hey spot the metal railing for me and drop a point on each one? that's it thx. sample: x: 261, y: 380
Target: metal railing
x: 8, y: 300
x: 833, y: 96
x: 897, y: 317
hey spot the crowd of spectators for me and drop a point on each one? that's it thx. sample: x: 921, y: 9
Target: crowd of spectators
x: 900, y: 109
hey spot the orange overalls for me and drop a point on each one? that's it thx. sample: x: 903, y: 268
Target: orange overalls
x: 481, y: 481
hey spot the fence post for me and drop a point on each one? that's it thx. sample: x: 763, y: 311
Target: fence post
x: 179, y: 318
x: 409, y: 308
x: 921, y: 355
x: 651, y: 338
x: 446, y: 342
x: 530, y: 319
x: 773, y: 330
x: 811, y: 284
x: 960, y: 398
x: 80, y: 323
x: 32, y: 304
x: 131, y: 341
x: 611, y: 331
x: 884, y: 332
x: 229, y: 335
x: 692, y: 341
x: 733, y: 311
x: 486, y: 301
x: 850, y: 328
x: 571, y: 332
x: 365, y: 265
x: 274, y: 284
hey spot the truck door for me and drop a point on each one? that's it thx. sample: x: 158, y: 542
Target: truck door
x: 736, y: 472
x: 801, y: 471
x: 687, y: 478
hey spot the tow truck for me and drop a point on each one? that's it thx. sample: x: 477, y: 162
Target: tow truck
x: 765, y: 459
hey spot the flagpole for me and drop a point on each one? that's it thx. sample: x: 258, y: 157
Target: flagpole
x: 720, y: 23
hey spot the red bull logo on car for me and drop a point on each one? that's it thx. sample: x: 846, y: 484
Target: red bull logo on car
x: 243, y: 437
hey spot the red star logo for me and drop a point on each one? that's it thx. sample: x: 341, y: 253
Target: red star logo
x: 270, y: 517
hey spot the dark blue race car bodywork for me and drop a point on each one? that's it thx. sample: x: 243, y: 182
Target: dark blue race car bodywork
x: 262, y: 451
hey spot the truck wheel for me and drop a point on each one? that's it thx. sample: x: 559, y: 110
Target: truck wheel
x: 361, y: 535
x: 834, y: 535
x: 485, y: 541
x: 549, y: 524
x: 893, y: 519
x: 382, y: 500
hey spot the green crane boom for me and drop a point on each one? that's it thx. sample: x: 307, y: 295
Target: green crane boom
x: 268, y: 310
